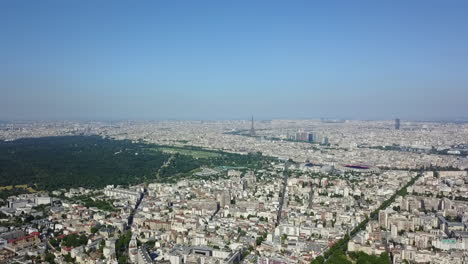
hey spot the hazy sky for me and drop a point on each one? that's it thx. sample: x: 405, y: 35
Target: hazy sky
x: 198, y: 59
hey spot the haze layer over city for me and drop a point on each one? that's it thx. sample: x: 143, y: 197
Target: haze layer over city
x: 210, y: 132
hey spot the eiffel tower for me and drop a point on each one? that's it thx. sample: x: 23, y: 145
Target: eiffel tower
x: 252, y: 129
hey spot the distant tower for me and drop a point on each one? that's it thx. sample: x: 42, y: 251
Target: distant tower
x: 311, y: 196
x: 397, y: 123
x: 252, y: 129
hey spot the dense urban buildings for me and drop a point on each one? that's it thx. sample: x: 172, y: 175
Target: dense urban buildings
x: 334, y: 192
x: 127, y: 132
x: 397, y: 123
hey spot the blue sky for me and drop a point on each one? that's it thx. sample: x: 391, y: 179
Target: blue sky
x: 233, y: 59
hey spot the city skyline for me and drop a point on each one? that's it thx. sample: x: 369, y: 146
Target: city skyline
x: 290, y: 191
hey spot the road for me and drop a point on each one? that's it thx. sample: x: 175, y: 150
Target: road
x: 283, y: 194
x: 132, y: 214
x: 130, y: 219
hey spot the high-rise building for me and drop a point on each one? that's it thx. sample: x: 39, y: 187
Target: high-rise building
x: 383, y: 219
x: 224, y: 198
x: 317, y: 138
x: 397, y: 123
x: 302, y: 136
x: 252, y: 129
x: 325, y: 141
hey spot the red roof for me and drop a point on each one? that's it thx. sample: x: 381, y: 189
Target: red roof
x: 33, y: 234
x: 67, y: 248
x: 156, y: 221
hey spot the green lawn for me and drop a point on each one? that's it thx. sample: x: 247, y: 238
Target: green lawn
x: 198, y: 154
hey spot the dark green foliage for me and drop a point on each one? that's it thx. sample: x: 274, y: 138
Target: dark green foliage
x: 94, y: 230
x: 16, y: 221
x: 121, y: 246
x: 44, y: 208
x: 49, y: 257
x: 55, y: 243
x: 363, y: 258
x: 338, y: 248
x: 260, y: 239
x: 338, y: 258
x: 68, y: 258
x: 93, y: 162
x: 4, y: 194
x: 180, y: 163
x: 284, y: 237
x: 123, y: 260
x: 64, y: 162
x: 318, y: 260
x: 100, y: 204
x: 150, y: 244
x: 74, y: 240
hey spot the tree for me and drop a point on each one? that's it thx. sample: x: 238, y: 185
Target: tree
x: 260, y: 239
x: 121, y: 245
x: 102, y: 245
x: 68, y: 258
x: 363, y: 258
x: 49, y: 257
x: 284, y: 237
x: 55, y: 243
x: 338, y: 258
x: 69, y: 153
x: 318, y: 260
x: 74, y: 240
x: 123, y: 260
x: 94, y: 229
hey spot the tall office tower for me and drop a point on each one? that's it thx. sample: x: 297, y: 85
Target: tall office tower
x: 302, y: 136
x: 317, y: 138
x: 252, y: 129
x: 325, y: 141
x: 397, y: 123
